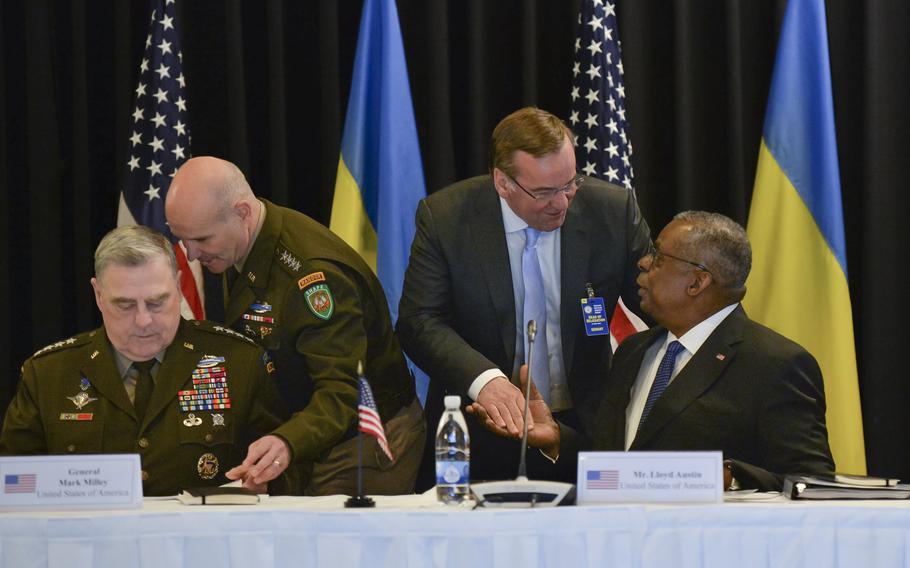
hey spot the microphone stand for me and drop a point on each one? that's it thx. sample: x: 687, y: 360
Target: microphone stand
x: 523, y: 460
x: 522, y: 492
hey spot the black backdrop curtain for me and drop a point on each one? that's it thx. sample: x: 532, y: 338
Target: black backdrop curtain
x: 267, y: 85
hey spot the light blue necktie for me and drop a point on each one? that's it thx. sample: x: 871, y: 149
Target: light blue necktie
x: 661, y: 379
x: 535, y: 308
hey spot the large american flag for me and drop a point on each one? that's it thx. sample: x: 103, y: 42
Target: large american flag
x: 370, y: 423
x: 598, y: 118
x: 160, y: 143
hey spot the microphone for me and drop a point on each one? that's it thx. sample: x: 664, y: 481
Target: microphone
x: 522, y: 492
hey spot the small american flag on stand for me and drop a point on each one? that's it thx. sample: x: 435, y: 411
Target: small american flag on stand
x: 159, y: 144
x: 370, y: 423
x: 598, y: 119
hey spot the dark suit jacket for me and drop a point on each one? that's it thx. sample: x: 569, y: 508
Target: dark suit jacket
x: 457, y: 311
x: 749, y: 392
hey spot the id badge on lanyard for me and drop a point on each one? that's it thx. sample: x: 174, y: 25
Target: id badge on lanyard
x: 594, y: 314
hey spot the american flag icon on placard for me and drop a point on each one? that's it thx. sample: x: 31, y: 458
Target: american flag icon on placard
x: 602, y: 479
x: 19, y: 483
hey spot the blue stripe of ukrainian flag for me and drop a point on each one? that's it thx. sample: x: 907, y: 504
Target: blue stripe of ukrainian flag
x: 798, y: 284
x: 380, y: 175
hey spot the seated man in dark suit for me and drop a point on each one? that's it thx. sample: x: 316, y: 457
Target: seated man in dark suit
x: 707, y: 377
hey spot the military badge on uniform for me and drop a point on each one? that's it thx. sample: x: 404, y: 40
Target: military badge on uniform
x: 209, y: 361
x: 192, y: 420
x: 84, y: 384
x: 210, y: 388
x: 289, y: 260
x: 80, y: 416
x: 261, y: 307
x: 311, y: 279
x: 207, y: 466
x: 319, y: 300
x: 217, y: 419
x: 267, y: 361
x: 81, y: 400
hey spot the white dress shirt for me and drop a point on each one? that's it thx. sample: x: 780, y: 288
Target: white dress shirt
x: 548, y: 247
x: 691, y: 341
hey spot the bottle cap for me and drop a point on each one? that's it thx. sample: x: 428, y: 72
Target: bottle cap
x: 452, y: 402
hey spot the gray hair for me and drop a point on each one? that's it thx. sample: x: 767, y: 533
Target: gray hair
x: 133, y: 245
x: 721, y: 244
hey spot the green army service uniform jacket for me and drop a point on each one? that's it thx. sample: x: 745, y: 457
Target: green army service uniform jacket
x: 317, y: 308
x: 72, y: 400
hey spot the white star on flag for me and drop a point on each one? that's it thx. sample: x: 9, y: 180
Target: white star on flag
x: 145, y: 186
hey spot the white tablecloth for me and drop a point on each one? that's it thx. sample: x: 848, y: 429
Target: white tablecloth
x: 414, y: 531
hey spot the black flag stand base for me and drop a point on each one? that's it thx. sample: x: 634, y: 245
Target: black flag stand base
x: 361, y: 501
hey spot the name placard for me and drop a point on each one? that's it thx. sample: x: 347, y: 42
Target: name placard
x: 650, y: 477
x: 108, y: 481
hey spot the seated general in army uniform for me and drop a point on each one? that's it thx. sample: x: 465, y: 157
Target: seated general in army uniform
x: 187, y: 396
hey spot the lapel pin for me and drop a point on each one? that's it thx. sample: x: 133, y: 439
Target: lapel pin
x: 95, y: 354
x: 720, y: 356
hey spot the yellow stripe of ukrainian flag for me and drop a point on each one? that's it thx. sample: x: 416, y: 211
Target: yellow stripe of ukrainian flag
x: 798, y: 287
x: 349, y: 216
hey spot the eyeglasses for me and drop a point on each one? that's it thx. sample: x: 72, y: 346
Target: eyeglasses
x: 547, y: 193
x: 656, y: 255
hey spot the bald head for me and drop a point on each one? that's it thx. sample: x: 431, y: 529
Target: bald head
x: 207, y: 182
x: 212, y: 209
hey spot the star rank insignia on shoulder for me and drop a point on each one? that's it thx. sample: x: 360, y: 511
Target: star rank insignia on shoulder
x: 232, y: 333
x: 286, y: 258
x: 64, y: 343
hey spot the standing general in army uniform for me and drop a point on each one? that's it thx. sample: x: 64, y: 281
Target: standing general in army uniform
x: 188, y: 397
x: 317, y: 308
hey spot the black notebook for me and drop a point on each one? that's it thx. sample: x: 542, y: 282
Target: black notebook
x: 217, y: 496
x: 814, y: 487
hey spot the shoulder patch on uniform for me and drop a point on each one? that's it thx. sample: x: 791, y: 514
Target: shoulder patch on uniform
x: 320, y: 301
x: 311, y: 279
x: 288, y: 259
x: 62, y: 344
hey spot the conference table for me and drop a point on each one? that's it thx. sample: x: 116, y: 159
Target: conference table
x: 405, y: 531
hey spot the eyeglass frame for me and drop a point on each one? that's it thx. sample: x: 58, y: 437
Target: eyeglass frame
x: 549, y: 193
x: 655, y: 254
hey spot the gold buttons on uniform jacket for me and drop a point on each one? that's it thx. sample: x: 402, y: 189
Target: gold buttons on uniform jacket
x: 209, y: 438
x: 145, y: 475
x: 143, y: 443
x: 71, y: 448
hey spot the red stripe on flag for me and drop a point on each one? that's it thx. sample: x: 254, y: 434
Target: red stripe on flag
x: 188, y: 284
x: 623, y: 324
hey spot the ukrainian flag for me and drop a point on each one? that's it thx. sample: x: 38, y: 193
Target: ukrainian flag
x: 380, y: 175
x: 798, y: 284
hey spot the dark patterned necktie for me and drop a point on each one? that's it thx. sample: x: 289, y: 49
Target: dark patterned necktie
x: 661, y: 379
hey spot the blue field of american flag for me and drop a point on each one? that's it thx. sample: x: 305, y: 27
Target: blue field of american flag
x: 20, y: 483
x: 602, y: 479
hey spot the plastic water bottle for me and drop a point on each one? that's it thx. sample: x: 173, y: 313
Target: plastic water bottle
x: 453, y: 454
